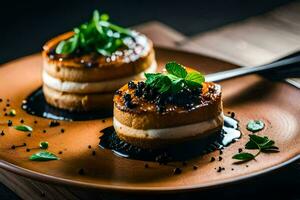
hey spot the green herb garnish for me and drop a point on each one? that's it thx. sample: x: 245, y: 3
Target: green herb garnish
x: 23, y: 128
x: 43, y: 145
x: 263, y: 144
x: 43, y: 156
x: 12, y: 112
x: 98, y: 35
x: 255, y: 125
x: 176, y: 79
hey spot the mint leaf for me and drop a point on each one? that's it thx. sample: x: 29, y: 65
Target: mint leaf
x: 251, y: 145
x: 67, y: 46
x: 195, y: 78
x: 23, y: 128
x: 263, y: 144
x: 43, y: 156
x: 243, y: 156
x: 104, y: 17
x: 43, y: 145
x: 259, y: 140
x: 255, y: 125
x: 98, y: 35
x: 158, y: 81
x: 176, y: 69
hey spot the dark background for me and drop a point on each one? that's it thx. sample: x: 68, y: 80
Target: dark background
x: 26, y: 25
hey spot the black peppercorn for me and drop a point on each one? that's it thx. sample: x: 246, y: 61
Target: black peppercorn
x: 9, y: 123
x: 131, y: 85
x: 54, y: 123
x: 177, y: 170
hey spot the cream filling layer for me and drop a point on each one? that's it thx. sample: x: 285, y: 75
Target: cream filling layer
x: 93, y: 87
x: 177, y: 132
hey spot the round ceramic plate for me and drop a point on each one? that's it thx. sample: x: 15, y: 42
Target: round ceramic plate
x: 250, y: 97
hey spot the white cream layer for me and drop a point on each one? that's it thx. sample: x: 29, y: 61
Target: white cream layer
x: 93, y: 87
x: 170, y: 133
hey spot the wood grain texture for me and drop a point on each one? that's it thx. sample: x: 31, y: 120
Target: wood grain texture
x: 256, y: 41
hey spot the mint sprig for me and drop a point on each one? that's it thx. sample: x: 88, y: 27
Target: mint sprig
x: 262, y: 144
x: 43, y: 156
x: 176, y: 79
x: 98, y: 35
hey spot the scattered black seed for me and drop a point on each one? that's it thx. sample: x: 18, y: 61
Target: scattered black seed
x: 29, y: 135
x: 1, y: 100
x: 177, y: 170
x: 4, y: 109
x: 5, y: 114
x: 131, y: 85
x: 62, y: 130
x: 54, y: 123
x: 247, y: 165
x: 81, y: 171
x: 228, y: 112
x: 89, y: 146
x: 27, y: 150
x: 7, y: 105
x: 118, y: 92
x: 94, y: 153
x: 2, y: 133
x: 129, y: 104
x: 220, y: 158
x: 7, y: 100
x: 35, y: 122
x: 103, y: 120
x: 240, y: 150
x: 22, y: 121
x: 184, y: 163
x: 9, y: 123
x: 221, y: 152
x: 60, y: 152
x: 232, y: 115
x: 232, y: 169
x: 127, y: 97
x: 219, y: 169
x: 44, y: 131
x: 146, y: 165
x: 15, y: 146
x: 195, y: 167
x: 212, y: 159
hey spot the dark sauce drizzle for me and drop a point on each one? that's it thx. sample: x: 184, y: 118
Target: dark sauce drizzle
x: 179, y: 152
x: 35, y: 104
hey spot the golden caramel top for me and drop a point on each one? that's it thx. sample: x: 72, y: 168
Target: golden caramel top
x: 136, y: 97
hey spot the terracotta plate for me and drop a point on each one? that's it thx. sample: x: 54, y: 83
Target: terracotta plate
x: 250, y: 97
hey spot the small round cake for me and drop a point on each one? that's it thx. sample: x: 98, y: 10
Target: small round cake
x: 84, y: 77
x: 157, y: 112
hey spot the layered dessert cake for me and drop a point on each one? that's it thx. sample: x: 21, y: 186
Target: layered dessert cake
x: 83, y: 68
x: 167, y: 108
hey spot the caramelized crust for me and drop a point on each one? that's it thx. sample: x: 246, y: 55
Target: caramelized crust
x: 145, y: 116
x: 94, y: 67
